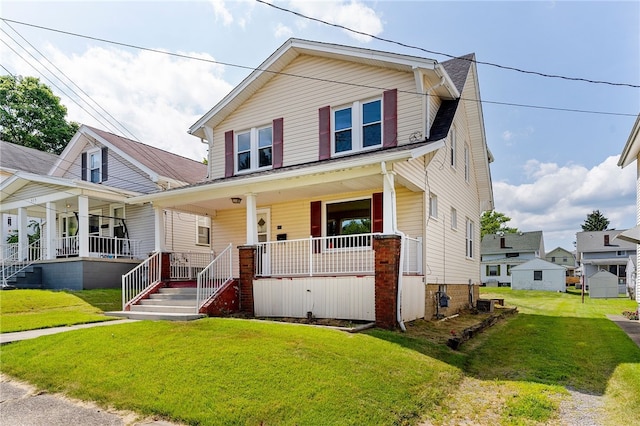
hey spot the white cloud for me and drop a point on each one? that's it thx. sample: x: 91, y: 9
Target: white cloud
x: 156, y: 97
x: 282, y: 31
x: 352, y: 14
x: 221, y: 12
x: 507, y: 135
x: 557, y: 198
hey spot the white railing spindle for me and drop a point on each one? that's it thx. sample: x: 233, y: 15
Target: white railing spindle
x: 141, y: 278
x: 214, y: 276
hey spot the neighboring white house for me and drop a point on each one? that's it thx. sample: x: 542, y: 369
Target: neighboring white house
x: 538, y: 274
x: 351, y: 176
x: 562, y: 257
x: 630, y: 154
x: 89, y: 236
x: 502, y: 252
x: 601, y: 250
x: 14, y: 158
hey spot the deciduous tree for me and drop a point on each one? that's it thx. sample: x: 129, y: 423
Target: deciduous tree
x: 493, y: 222
x: 32, y: 116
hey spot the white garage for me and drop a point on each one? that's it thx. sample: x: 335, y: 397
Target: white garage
x: 538, y: 274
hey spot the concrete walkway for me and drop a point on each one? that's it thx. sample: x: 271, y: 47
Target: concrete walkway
x: 32, y: 334
x: 631, y: 327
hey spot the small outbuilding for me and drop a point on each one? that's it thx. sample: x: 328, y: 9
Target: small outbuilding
x: 603, y: 285
x: 538, y: 274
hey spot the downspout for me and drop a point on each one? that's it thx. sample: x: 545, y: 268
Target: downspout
x: 396, y: 231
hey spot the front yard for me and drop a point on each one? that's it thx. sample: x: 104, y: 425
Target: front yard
x: 232, y: 371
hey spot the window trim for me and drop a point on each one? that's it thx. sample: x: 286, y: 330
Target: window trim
x: 357, y: 126
x: 454, y: 219
x: 433, y: 206
x: 537, y: 275
x: 198, y: 226
x: 254, y: 149
x: 97, y: 152
x: 469, y: 238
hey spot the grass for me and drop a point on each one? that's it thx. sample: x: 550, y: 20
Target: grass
x: 33, y: 309
x: 228, y: 371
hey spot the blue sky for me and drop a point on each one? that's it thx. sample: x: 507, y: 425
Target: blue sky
x: 551, y: 167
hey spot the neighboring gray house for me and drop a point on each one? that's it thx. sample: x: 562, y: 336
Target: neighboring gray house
x: 501, y: 252
x: 563, y: 257
x: 538, y: 274
x: 14, y: 158
x: 598, y: 251
x: 90, y: 235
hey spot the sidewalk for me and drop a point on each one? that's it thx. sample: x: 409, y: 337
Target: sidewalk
x: 32, y: 334
x: 631, y: 327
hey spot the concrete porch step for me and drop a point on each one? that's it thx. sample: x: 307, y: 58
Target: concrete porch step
x: 173, y: 302
x: 172, y: 309
x: 155, y: 316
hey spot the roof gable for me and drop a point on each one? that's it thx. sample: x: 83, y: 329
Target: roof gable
x: 538, y: 264
x: 154, y: 162
x: 594, y: 241
x: 631, y: 149
x: 513, y: 242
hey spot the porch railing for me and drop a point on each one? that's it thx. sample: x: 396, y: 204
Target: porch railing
x: 141, y: 278
x: 412, y: 256
x: 187, y: 265
x: 214, y: 276
x: 344, y: 254
x: 15, y: 260
x: 105, y: 247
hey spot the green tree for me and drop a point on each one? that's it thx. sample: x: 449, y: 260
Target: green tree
x: 493, y: 222
x: 32, y: 116
x: 35, y: 236
x: 595, y: 221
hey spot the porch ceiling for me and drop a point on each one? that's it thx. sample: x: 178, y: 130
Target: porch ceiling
x: 212, y: 197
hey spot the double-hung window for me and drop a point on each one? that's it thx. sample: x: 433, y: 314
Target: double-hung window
x: 203, y: 227
x: 254, y: 149
x: 95, y: 166
x: 469, y: 237
x: 357, y: 127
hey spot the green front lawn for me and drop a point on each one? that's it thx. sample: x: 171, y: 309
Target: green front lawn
x: 33, y: 309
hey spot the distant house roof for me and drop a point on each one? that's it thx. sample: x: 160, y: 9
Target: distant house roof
x: 512, y: 243
x: 601, y: 241
x: 538, y: 264
x: 17, y: 157
x: 559, y: 251
x: 162, y: 162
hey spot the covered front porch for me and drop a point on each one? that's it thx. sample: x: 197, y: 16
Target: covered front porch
x: 314, y: 240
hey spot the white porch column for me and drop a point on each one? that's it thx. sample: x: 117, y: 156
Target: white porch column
x: 158, y: 215
x: 23, y: 233
x: 83, y: 226
x: 252, y: 225
x: 389, y: 223
x: 50, y: 230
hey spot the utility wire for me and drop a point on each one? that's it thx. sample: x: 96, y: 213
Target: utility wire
x: 432, y: 52
x: 122, y: 126
x: 211, y: 61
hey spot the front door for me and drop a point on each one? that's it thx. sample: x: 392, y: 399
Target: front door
x: 263, y: 221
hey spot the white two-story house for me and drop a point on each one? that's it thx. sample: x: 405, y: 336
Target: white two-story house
x: 501, y: 252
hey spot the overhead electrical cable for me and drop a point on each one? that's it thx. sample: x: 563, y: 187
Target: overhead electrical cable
x: 433, y: 52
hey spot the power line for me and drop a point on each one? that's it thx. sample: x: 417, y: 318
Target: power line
x: 432, y: 52
x: 211, y: 61
x: 122, y: 126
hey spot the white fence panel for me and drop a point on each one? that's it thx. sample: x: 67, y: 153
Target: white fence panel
x: 413, y: 298
x: 325, y: 297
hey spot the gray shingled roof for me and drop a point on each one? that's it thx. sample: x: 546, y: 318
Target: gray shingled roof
x: 458, y: 69
x: 162, y: 162
x: 514, y: 243
x: 18, y: 157
x: 593, y: 241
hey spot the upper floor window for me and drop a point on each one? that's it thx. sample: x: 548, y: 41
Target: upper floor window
x: 357, y: 127
x: 254, y: 149
x: 467, y: 165
x: 433, y: 206
x: 95, y: 166
x: 454, y: 218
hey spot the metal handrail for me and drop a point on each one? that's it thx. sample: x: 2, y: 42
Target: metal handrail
x: 140, y: 279
x: 214, y: 276
x: 16, y: 260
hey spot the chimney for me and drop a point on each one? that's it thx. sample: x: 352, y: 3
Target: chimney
x: 502, y: 244
x: 606, y: 240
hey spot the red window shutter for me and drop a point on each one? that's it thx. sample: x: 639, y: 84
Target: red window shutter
x: 278, y: 134
x: 377, y: 224
x: 390, y: 107
x: 324, y: 118
x: 228, y: 154
x: 316, y: 224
